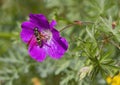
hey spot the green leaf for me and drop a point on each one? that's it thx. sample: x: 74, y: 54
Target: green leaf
x: 62, y: 67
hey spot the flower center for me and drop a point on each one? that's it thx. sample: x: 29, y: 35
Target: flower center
x: 43, y: 37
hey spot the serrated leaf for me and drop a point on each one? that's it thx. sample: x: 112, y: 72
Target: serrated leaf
x: 90, y: 34
x: 62, y: 67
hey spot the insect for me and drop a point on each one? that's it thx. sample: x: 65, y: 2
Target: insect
x: 38, y: 36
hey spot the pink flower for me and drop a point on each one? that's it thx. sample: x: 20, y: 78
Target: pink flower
x: 43, y: 39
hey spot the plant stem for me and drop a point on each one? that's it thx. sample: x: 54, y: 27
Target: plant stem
x: 76, y: 23
x: 66, y: 27
x: 6, y: 35
x: 115, y: 44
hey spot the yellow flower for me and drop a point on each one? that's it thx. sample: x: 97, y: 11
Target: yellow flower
x: 109, y: 79
x: 113, y: 81
x: 36, y: 81
x: 116, y: 80
x: 113, y: 84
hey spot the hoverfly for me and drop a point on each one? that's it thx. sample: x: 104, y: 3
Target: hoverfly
x: 38, y: 36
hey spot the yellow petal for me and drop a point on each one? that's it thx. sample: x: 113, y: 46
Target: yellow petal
x: 108, y: 79
x: 116, y: 80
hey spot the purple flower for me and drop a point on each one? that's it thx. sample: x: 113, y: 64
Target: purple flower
x: 42, y: 38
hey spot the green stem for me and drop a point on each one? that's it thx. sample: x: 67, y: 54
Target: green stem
x: 115, y: 44
x: 6, y: 35
x: 66, y: 27
x: 76, y: 23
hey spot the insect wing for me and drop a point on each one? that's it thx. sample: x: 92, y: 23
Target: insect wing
x: 31, y: 43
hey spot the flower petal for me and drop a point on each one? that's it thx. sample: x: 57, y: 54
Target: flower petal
x: 52, y: 24
x: 40, y: 20
x: 28, y: 25
x: 37, y: 53
x: 25, y: 35
x: 57, y: 48
x: 55, y: 34
x: 27, y: 31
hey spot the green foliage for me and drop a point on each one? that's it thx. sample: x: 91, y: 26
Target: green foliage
x: 94, y: 48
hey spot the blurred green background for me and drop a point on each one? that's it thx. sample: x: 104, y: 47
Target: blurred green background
x: 16, y: 66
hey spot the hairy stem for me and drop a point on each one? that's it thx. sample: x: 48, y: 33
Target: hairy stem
x: 76, y: 23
